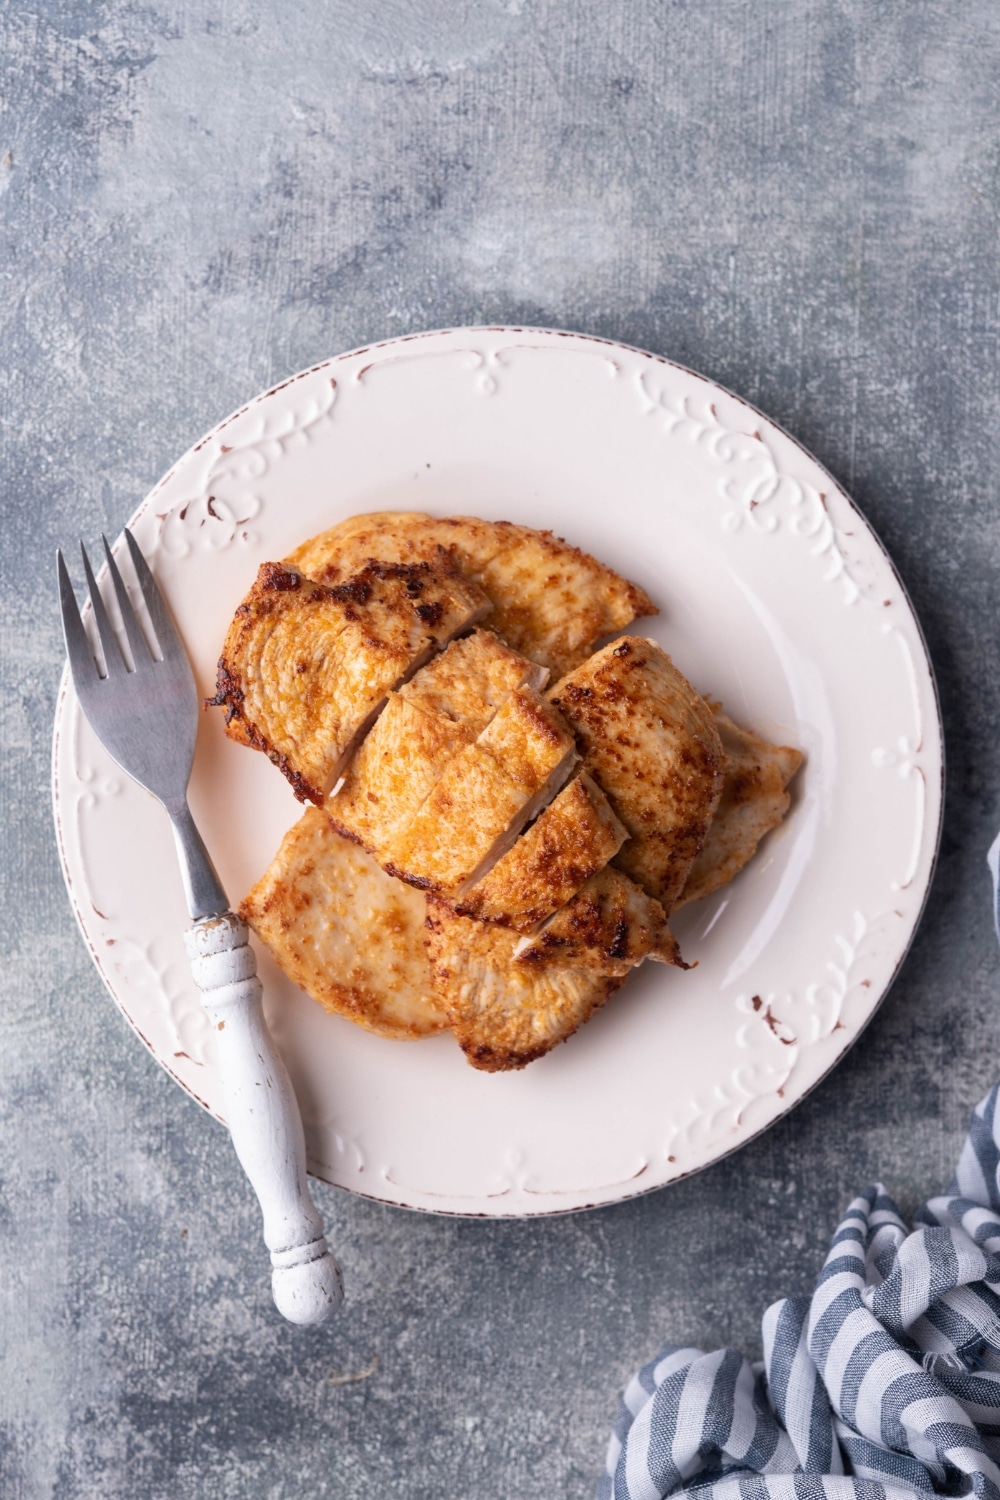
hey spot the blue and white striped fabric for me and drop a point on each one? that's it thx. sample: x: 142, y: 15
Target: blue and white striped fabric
x: 885, y: 1383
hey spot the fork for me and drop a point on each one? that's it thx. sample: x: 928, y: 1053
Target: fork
x: 143, y: 708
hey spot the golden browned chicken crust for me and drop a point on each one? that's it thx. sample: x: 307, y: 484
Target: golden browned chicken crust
x: 487, y: 794
x: 754, y: 800
x: 443, y: 709
x: 397, y: 767
x: 551, y: 601
x: 505, y: 1014
x: 306, y: 667
x: 652, y: 744
x: 610, y: 926
x: 346, y: 933
x: 569, y: 842
x: 472, y: 678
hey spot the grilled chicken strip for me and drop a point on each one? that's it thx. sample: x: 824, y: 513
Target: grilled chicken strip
x: 443, y: 709
x: 551, y: 601
x: 470, y: 680
x: 488, y: 792
x: 505, y: 1014
x: 305, y: 667
x: 609, y: 926
x: 345, y: 932
x: 754, y: 800
x: 651, y: 743
x: 569, y: 842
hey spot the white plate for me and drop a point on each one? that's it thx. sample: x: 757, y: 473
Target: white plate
x: 776, y: 598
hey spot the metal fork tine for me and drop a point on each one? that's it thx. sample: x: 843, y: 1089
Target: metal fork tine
x: 137, y: 641
x: 114, y: 661
x: 166, y: 633
x: 82, y: 662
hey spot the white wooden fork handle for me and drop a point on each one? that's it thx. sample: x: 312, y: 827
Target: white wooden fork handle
x: 263, y: 1119
x: 143, y: 706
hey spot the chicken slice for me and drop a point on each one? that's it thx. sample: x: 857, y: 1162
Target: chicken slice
x: 305, y: 667
x: 569, y: 842
x: 505, y: 1014
x: 443, y: 709
x: 609, y: 926
x: 405, y: 536
x: 395, y: 770
x: 345, y: 932
x: 551, y: 601
x: 488, y: 792
x: 652, y: 744
x: 472, y: 678
x: 754, y: 800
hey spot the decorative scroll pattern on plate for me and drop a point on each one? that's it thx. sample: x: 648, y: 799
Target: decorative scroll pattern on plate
x: 908, y: 761
x: 773, y: 1029
x: 759, y: 494
x: 227, y: 500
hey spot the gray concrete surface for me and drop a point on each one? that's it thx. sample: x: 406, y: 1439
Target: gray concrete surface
x: 800, y: 198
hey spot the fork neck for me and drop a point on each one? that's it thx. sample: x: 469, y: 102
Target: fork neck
x: 202, y: 887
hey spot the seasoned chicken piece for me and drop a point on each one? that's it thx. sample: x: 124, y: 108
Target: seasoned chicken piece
x: 305, y: 667
x: 652, y: 744
x: 443, y: 709
x: 609, y: 926
x: 505, y: 1014
x: 488, y: 792
x: 754, y: 800
x: 346, y: 933
x: 472, y: 678
x: 551, y: 601
x: 569, y: 842
x: 397, y: 767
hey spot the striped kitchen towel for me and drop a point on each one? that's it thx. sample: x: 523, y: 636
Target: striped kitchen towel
x: 884, y: 1383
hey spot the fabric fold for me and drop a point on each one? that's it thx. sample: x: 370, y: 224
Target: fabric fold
x: 884, y: 1383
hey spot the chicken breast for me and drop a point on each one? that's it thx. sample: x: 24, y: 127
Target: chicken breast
x: 505, y: 1014
x: 442, y: 710
x: 305, y: 668
x: 551, y: 601
x: 652, y: 744
x: 569, y: 842
x: 754, y: 800
x: 609, y: 926
x: 346, y: 933
x: 488, y: 792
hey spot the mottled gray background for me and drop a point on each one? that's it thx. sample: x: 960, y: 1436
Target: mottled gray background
x: 800, y: 198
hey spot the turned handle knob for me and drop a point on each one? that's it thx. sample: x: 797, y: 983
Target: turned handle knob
x: 263, y: 1117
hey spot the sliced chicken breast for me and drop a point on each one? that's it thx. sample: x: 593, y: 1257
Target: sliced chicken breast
x: 345, y: 932
x: 487, y: 794
x: 305, y: 667
x: 441, y: 711
x: 652, y: 744
x: 505, y: 1014
x: 569, y: 842
x: 551, y: 601
x: 754, y: 800
x: 609, y: 926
